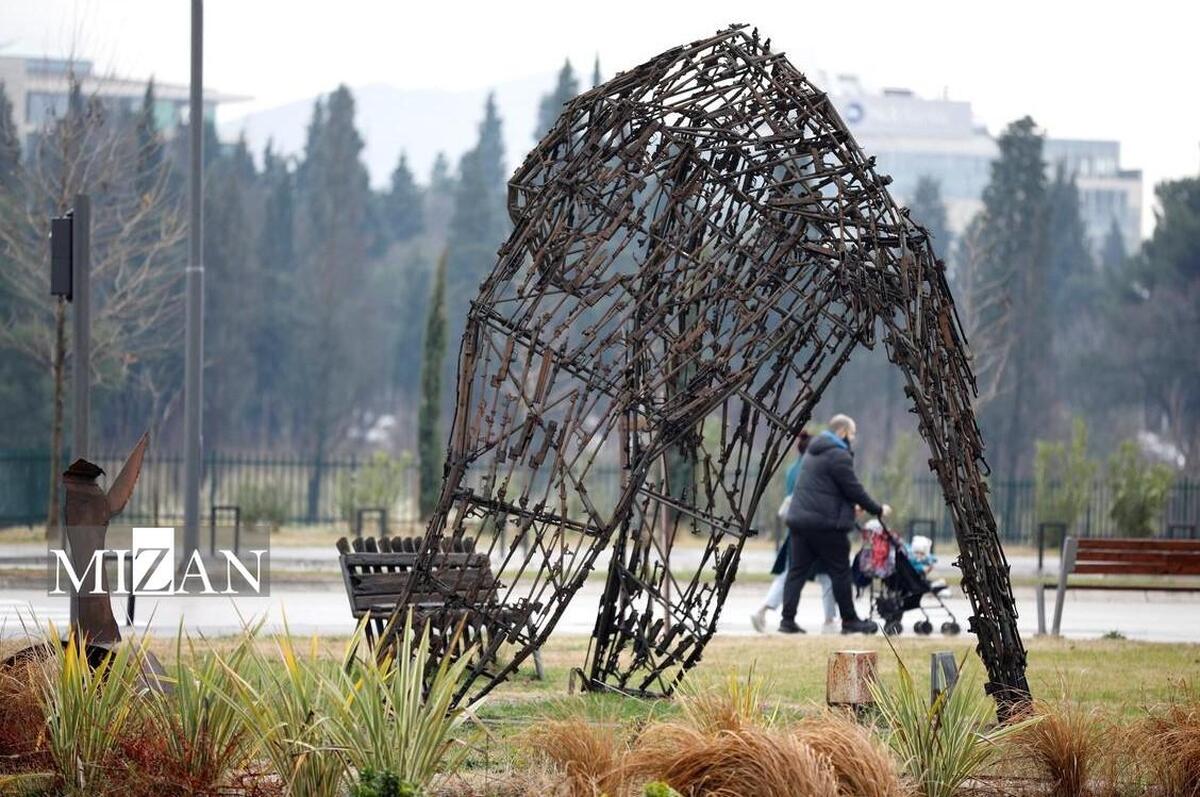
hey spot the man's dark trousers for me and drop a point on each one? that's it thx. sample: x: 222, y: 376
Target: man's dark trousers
x: 832, y: 550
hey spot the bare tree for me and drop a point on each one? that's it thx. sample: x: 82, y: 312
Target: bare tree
x: 137, y: 231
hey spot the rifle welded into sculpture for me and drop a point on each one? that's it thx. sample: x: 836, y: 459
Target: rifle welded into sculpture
x: 698, y: 246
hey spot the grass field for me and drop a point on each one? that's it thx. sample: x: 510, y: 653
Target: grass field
x: 1113, y: 674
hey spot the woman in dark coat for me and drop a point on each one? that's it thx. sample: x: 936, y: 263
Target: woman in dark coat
x: 774, y: 597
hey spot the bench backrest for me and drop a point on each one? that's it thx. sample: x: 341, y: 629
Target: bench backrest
x: 1136, y: 557
x: 378, y: 572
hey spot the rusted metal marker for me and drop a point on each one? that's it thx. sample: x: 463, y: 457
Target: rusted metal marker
x: 698, y: 246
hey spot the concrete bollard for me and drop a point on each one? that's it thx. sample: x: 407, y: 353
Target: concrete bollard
x: 848, y: 678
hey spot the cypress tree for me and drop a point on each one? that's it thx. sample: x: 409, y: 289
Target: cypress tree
x: 334, y: 235
x: 438, y: 205
x: 402, y: 216
x: 429, y: 432
x: 478, y: 223
x: 440, y: 179
x: 229, y: 258
x: 276, y: 316
x: 596, y: 77
x: 552, y: 104
x: 1068, y: 259
x: 149, y: 144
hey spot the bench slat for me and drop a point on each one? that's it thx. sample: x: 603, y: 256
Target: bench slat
x: 1170, y: 568
x: 1148, y: 557
x: 1131, y: 544
x: 1157, y: 587
x: 432, y: 600
x: 469, y: 581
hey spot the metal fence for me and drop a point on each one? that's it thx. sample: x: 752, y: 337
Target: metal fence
x: 307, y: 491
x: 312, y: 493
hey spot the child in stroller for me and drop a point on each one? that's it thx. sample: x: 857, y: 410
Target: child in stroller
x: 897, y: 576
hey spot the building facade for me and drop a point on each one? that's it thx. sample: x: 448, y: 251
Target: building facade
x: 913, y: 137
x: 40, y: 88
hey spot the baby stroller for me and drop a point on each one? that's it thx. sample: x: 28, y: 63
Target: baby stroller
x: 896, y: 584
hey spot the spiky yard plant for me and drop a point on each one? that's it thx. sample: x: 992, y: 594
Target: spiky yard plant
x: 284, y: 703
x: 204, y: 739
x: 394, y: 716
x: 87, y: 709
x: 941, y: 745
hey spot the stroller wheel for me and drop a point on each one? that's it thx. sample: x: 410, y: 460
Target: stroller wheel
x: 893, y: 627
x: 950, y: 628
x: 923, y: 627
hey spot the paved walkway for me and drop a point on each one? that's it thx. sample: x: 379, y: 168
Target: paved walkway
x: 322, y: 609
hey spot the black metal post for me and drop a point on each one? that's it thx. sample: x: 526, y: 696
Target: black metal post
x: 193, y: 390
x: 81, y: 315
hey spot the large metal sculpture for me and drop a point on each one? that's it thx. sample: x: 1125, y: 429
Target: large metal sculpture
x: 698, y: 247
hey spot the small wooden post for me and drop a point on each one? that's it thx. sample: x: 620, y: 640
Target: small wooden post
x: 943, y: 674
x: 848, y: 678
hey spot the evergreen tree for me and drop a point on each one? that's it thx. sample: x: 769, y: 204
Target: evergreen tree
x: 596, y: 77
x: 430, y: 445
x: 10, y: 145
x: 552, y: 104
x: 334, y: 334
x: 1068, y: 258
x: 1013, y: 307
x: 928, y: 210
x: 1152, y: 325
x: 278, y: 315
x: 478, y: 223
x: 1172, y: 255
x: 402, y: 204
x: 1112, y: 253
x: 439, y: 199
x: 149, y: 144
x: 1070, y: 286
x: 440, y: 178
x: 232, y: 294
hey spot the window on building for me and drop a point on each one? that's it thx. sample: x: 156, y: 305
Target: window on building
x: 41, y: 107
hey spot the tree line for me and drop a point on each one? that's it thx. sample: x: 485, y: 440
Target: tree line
x: 334, y: 310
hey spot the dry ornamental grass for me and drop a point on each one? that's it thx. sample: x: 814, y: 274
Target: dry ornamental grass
x: 732, y: 763
x: 862, y: 765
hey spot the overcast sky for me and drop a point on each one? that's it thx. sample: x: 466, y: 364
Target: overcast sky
x: 1125, y: 71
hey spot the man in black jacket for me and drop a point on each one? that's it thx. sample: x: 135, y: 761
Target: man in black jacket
x: 819, y: 519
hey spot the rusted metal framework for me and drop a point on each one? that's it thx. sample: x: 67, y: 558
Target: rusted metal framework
x: 698, y: 246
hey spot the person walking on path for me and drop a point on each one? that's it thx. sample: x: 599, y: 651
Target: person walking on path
x: 819, y: 519
x: 774, y: 597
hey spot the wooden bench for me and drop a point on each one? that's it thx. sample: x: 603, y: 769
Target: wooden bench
x: 1120, y: 557
x: 377, y: 573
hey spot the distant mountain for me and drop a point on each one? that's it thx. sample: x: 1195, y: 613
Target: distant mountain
x: 421, y: 122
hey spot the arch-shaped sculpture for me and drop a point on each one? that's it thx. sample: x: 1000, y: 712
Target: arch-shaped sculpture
x: 699, y: 244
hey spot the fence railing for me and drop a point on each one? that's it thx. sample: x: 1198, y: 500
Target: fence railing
x: 308, y: 491
x: 312, y: 492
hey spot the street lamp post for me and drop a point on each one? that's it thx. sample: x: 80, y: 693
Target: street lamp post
x: 193, y: 383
